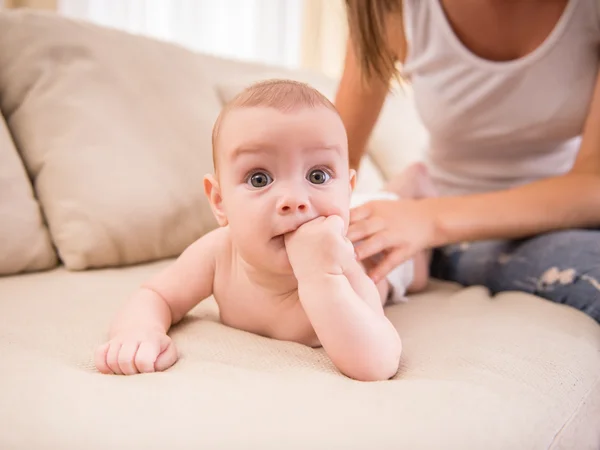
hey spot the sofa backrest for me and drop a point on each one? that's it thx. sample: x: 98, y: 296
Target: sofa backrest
x: 114, y: 131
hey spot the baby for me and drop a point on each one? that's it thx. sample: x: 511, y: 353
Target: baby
x: 279, y: 265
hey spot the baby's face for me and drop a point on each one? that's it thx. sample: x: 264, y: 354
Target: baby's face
x: 278, y: 171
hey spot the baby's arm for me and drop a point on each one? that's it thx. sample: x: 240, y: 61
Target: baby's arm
x: 353, y: 330
x: 344, y: 307
x: 138, y: 340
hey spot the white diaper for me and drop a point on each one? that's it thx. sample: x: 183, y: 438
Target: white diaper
x: 401, y: 277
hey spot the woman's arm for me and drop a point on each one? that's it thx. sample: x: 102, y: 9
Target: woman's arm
x: 359, y: 104
x: 568, y: 201
x: 405, y: 227
x: 359, y: 98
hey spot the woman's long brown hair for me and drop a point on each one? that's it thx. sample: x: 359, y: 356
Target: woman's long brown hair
x: 368, y: 32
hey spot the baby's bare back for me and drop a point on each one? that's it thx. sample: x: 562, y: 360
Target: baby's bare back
x: 256, y: 307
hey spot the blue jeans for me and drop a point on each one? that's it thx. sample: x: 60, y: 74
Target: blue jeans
x: 561, y: 266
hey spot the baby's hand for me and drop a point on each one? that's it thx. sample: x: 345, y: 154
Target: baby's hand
x: 319, y: 247
x: 136, y: 352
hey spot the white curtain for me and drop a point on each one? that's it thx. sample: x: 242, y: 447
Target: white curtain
x: 267, y: 31
x: 324, y: 36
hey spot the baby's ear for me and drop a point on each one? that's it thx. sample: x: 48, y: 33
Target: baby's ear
x: 352, y: 179
x: 213, y: 193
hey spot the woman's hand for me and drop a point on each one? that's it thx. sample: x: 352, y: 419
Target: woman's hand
x: 398, y: 229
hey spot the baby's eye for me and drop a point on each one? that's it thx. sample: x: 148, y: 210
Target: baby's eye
x: 260, y: 179
x: 318, y: 176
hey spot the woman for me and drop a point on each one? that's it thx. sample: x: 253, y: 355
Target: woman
x: 510, y: 95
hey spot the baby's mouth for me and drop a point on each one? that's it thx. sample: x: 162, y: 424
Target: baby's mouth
x: 278, y: 241
x: 281, y: 236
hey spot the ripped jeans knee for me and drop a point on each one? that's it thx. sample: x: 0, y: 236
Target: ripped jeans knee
x: 562, y: 266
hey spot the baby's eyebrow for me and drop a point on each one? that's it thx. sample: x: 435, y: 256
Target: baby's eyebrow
x: 333, y: 148
x: 258, y: 149
x: 249, y: 150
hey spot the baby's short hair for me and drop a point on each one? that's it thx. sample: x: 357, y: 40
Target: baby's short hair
x: 281, y: 94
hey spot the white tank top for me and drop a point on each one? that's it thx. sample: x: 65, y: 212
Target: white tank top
x: 494, y: 125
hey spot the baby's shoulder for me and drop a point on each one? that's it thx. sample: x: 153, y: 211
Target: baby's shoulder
x: 219, y: 238
x: 219, y: 245
x: 210, y: 247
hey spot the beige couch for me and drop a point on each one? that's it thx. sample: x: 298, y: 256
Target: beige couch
x: 105, y: 142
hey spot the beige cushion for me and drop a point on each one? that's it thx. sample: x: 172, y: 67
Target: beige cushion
x: 369, y: 178
x: 510, y: 372
x: 25, y: 244
x: 115, y: 130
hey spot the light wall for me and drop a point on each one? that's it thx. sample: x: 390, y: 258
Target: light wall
x: 323, y: 40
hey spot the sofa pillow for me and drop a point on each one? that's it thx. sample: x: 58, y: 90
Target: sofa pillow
x: 114, y: 130
x: 25, y: 244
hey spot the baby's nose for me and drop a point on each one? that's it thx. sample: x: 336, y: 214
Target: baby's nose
x: 290, y: 204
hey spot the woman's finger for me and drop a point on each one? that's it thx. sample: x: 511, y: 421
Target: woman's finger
x: 365, y: 228
x: 391, y: 260
x: 361, y: 212
x: 372, y: 246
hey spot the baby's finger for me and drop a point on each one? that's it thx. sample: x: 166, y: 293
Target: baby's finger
x: 349, y: 246
x: 112, y: 358
x: 146, y: 355
x: 336, y: 223
x: 127, y: 358
x: 392, y: 260
x: 167, y: 358
x: 100, y: 359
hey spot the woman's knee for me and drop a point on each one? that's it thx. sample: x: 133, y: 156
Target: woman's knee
x: 568, y: 247
x: 573, y: 286
x: 562, y: 266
